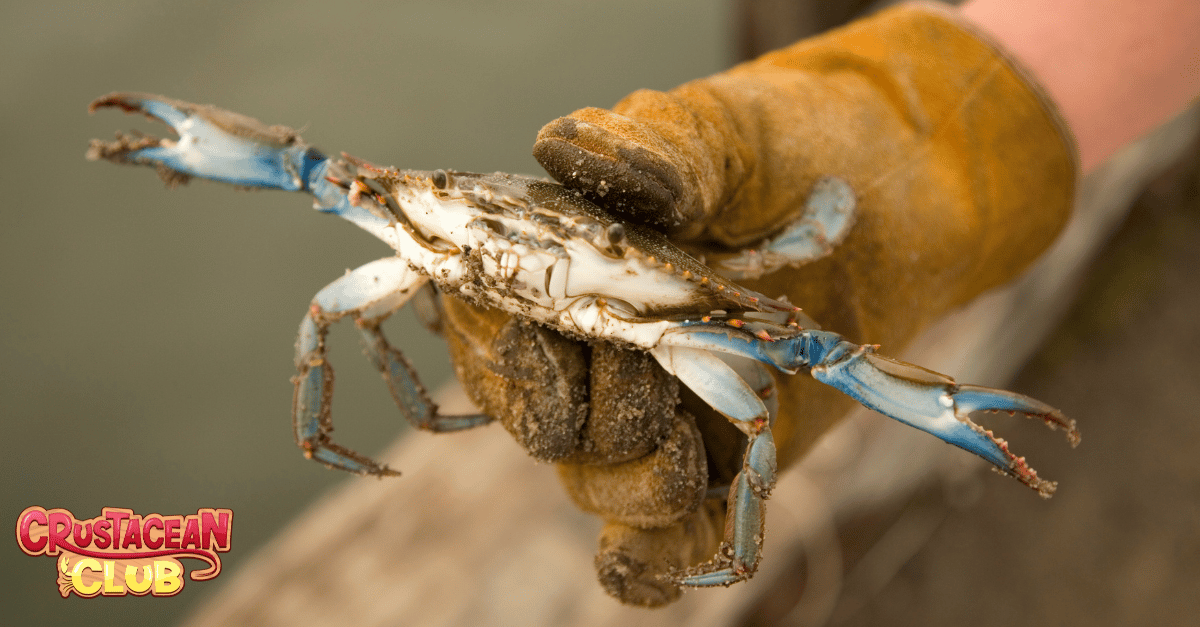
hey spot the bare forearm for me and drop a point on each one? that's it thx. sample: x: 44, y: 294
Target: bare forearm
x: 1116, y: 68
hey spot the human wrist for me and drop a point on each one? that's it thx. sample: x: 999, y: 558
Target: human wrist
x: 1116, y: 69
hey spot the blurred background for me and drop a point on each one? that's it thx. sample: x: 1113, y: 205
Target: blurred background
x: 147, y: 334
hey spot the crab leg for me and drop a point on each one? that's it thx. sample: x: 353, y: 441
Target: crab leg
x: 827, y: 218
x: 718, y: 384
x: 232, y: 148
x: 213, y: 144
x: 369, y: 294
x: 920, y: 398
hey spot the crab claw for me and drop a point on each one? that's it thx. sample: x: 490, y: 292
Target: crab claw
x: 213, y: 144
x: 934, y: 403
x: 920, y: 398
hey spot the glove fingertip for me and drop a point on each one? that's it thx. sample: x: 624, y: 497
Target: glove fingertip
x: 630, y: 181
x: 635, y: 565
x: 624, y: 577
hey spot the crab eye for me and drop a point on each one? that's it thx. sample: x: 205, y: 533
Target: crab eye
x: 440, y: 179
x: 615, y: 233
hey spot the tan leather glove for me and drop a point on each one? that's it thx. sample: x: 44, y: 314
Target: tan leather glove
x: 963, y: 173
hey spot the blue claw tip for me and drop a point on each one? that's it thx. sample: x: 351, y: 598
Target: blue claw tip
x: 214, y: 144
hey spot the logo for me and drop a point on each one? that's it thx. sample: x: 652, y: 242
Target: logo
x: 119, y: 552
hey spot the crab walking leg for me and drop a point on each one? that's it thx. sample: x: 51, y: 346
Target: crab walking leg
x: 920, y: 398
x: 370, y: 294
x: 756, y: 375
x: 719, y: 385
x: 827, y: 218
x: 406, y: 388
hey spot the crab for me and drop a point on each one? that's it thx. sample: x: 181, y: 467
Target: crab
x: 539, y: 251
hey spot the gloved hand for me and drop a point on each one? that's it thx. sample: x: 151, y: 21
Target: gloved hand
x: 963, y: 174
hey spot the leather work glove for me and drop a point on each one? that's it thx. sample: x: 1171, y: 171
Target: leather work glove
x: 963, y: 173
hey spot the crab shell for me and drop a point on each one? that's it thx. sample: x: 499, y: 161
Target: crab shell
x: 537, y: 250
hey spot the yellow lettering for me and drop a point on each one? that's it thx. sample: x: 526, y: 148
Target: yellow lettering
x: 131, y: 579
x: 111, y: 587
x: 166, y: 578
x: 77, y: 576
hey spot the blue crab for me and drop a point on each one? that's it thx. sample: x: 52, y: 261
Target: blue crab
x: 539, y: 251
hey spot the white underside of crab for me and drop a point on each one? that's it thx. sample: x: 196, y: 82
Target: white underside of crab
x: 561, y: 281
